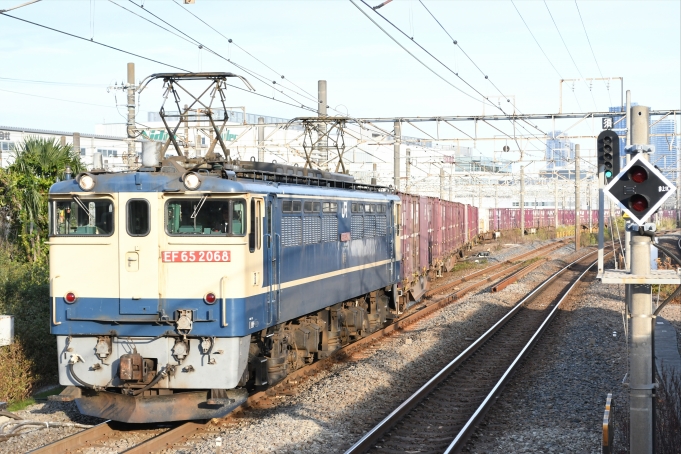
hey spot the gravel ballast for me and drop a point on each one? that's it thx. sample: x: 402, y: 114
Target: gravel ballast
x: 554, y: 404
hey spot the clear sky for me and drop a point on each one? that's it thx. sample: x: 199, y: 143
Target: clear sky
x: 368, y: 74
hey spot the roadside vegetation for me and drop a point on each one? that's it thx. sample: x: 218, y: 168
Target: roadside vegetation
x: 29, y: 362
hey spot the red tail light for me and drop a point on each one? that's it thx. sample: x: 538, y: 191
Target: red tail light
x: 210, y: 298
x: 70, y: 297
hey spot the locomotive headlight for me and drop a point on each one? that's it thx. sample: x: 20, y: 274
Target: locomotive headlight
x: 192, y: 181
x: 86, y: 182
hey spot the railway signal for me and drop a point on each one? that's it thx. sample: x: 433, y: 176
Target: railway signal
x: 640, y: 189
x: 608, y: 145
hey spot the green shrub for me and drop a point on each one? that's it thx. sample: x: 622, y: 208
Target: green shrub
x: 31, y: 360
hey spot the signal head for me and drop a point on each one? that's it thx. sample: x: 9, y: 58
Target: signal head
x: 638, y: 174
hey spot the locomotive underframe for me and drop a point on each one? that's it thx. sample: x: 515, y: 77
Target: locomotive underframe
x: 252, y: 362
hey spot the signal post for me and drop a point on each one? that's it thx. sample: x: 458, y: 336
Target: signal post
x: 640, y: 190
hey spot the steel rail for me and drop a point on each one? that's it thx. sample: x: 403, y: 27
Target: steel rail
x: 465, y: 432
x: 172, y: 436
x: 517, y: 275
x: 166, y: 440
x: 544, y: 249
x: 371, y: 437
x: 77, y: 440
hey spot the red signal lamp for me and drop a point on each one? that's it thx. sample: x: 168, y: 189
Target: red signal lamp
x: 638, y: 202
x: 210, y: 298
x: 70, y: 297
x: 638, y: 174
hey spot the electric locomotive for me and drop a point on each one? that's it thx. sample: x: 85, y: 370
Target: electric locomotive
x: 178, y: 287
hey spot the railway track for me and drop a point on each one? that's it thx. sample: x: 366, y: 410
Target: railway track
x: 159, y: 437
x: 441, y: 415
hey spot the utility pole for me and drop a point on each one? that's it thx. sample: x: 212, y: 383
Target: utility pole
x: 396, y: 155
x: 131, y: 115
x: 588, y: 191
x: 186, y: 130
x: 641, y: 403
x: 577, y: 201
x: 522, y: 199
x: 555, y: 200
x: 76, y: 143
x: 451, y: 186
x: 442, y: 183
x: 627, y: 233
x: 323, y: 142
x: 496, y: 206
x: 261, y: 139
x: 407, y: 168
x: 373, y: 178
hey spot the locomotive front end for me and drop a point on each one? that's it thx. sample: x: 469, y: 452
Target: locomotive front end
x: 149, y: 278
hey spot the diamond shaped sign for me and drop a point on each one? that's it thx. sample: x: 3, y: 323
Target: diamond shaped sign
x: 640, y: 189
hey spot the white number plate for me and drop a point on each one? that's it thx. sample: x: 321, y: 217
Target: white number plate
x: 196, y: 256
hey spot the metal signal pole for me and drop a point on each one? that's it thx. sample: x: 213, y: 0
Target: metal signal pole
x: 577, y: 201
x: 641, y: 382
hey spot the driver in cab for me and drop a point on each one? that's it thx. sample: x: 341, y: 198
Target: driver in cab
x: 222, y: 224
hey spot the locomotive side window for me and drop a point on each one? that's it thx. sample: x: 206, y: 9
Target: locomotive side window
x: 330, y: 207
x: 291, y: 206
x: 206, y: 217
x: 254, y: 235
x: 138, y: 217
x: 82, y: 217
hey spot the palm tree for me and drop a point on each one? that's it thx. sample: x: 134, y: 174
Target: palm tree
x: 38, y: 164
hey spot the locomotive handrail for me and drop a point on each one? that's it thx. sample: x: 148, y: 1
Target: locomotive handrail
x: 269, y: 239
x: 223, y: 297
x: 54, y: 303
x: 278, y: 269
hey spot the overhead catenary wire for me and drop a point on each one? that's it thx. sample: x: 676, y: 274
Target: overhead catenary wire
x: 58, y: 99
x: 231, y: 41
x: 569, y: 53
x: 542, y: 50
x: 485, y: 99
x: 592, y: 51
x: 94, y: 42
x: 208, y: 49
x: 456, y: 43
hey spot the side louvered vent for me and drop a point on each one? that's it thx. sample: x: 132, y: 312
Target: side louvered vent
x: 291, y: 231
x: 381, y: 225
x: 369, y: 226
x: 357, y: 227
x: 330, y: 228
x: 312, y: 229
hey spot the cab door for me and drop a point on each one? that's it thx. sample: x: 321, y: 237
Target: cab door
x: 271, y: 265
x: 138, y: 255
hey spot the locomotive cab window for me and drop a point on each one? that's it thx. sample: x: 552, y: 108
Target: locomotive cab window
x: 82, y: 217
x: 201, y: 216
x: 138, y: 217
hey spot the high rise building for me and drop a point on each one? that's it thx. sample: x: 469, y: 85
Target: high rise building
x: 559, y: 151
x: 666, y: 147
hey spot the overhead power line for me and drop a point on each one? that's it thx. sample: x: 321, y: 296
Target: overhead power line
x: 94, y: 42
x: 485, y: 99
x: 592, y: 51
x: 456, y: 43
x: 58, y: 99
x: 542, y: 50
x: 569, y: 53
x: 47, y: 82
x: 200, y: 45
x: 231, y: 41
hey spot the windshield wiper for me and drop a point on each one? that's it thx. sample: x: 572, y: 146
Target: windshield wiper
x: 81, y: 204
x: 199, y: 206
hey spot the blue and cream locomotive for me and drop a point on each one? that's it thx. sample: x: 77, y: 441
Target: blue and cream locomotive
x: 177, y: 287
